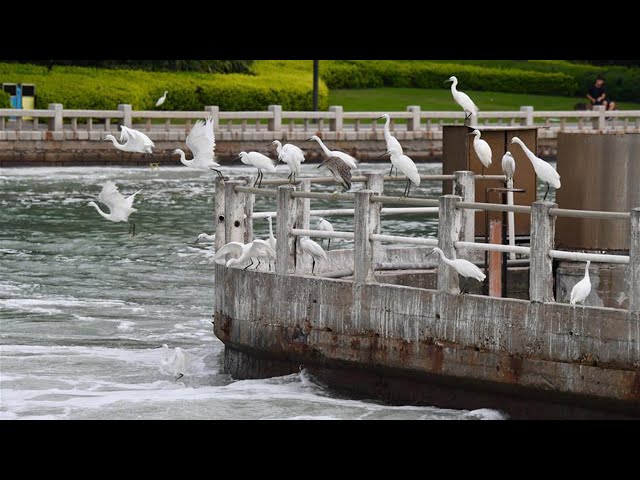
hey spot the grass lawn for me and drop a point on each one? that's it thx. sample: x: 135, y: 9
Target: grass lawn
x: 397, y: 99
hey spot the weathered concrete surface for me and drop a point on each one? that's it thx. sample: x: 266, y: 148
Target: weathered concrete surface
x: 422, y: 346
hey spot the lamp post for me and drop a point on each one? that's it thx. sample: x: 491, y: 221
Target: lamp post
x: 315, y: 85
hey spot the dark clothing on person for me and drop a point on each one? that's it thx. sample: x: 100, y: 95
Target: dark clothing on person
x: 596, y: 93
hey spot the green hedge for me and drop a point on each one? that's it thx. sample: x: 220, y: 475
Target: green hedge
x: 423, y: 74
x: 4, y: 100
x: 91, y: 88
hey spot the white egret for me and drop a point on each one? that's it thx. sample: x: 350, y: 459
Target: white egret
x: 273, y: 243
x: 175, y: 364
x: 339, y: 169
x: 407, y: 167
x: 258, y: 160
x: 292, y: 155
x: 201, y: 141
x: 162, y: 99
x: 120, y: 207
x: 508, y: 167
x: 544, y: 171
x: 205, y: 237
x: 581, y: 290
x: 132, y: 141
x: 482, y: 149
x: 248, y: 251
x: 462, y: 266
x: 314, y: 249
x: 393, y: 145
x: 462, y: 99
x: 325, y: 226
x: 345, y: 157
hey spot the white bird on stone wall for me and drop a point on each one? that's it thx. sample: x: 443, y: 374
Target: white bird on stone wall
x: 462, y: 99
x: 314, y: 249
x: 462, y: 266
x: 201, y: 141
x: 581, y: 290
x: 162, y: 99
x: 120, y: 207
x: 243, y: 252
x: 292, y: 155
x: 132, y: 141
x: 508, y: 167
x: 345, y: 157
x: 544, y: 171
x: 325, y: 226
x: 258, y: 160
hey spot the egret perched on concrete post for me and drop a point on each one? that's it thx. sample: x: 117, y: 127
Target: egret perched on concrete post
x: 462, y: 99
x: 314, y: 249
x: 393, y: 145
x: 407, y: 167
x: 132, y: 141
x: 345, y: 157
x: 325, y: 226
x: 340, y: 171
x: 201, y: 141
x: 162, y: 99
x: 462, y: 266
x: 544, y: 171
x: 482, y: 149
x: 581, y: 290
x: 120, y: 207
x: 292, y: 155
x: 260, y: 161
x: 508, y: 168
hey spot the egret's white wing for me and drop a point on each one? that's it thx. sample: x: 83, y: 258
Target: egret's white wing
x: 261, y: 247
x: 201, y: 140
x: 295, y: 151
x: 129, y: 200
x: 234, y: 248
x: 110, y: 196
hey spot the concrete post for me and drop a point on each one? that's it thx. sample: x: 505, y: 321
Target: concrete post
x: 366, y: 220
x: 126, y: 108
x: 218, y: 221
x: 249, y: 201
x: 303, y: 207
x: 335, y: 124
x: 449, y: 225
x: 542, y: 240
x: 375, y: 183
x: 285, y: 262
x: 55, y: 123
x: 234, y: 204
x: 464, y: 186
x: 214, y: 112
x: 275, y: 123
x: 633, y: 273
x: 413, y: 124
x: 602, y: 117
x: 528, y: 120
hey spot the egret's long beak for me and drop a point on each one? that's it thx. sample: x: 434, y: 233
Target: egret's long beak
x: 381, y: 116
x: 429, y: 253
x: 385, y: 153
x: 321, y: 164
x: 309, y: 139
x: 446, y: 81
x: 237, y: 158
x: 472, y: 133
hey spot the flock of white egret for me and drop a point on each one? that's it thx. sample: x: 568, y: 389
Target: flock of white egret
x: 201, y: 142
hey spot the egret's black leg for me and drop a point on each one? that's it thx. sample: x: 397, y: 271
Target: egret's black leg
x: 391, y: 171
x: 313, y: 265
x: 464, y: 286
x: 248, y: 265
x: 545, y: 193
x: 179, y: 376
x: 329, y: 245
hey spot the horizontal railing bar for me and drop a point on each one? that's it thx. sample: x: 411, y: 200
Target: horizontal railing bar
x: 321, y: 234
x: 492, y: 247
x: 350, y: 211
x: 6, y: 112
x: 324, y: 196
x: 92, y: 113
x: 494, y: 207
x: 362, y: 178
x: 257, y: 191
x: 430, y: 242
x: 563, y: 212
x: 583, y: 257
x: 423, y: 202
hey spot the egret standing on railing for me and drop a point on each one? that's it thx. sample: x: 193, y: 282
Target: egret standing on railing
x: 508, y: 168
x: 482, y: 149
x: 462, y: 266
x: 407, y: 167
x: 544, y: 171
x: 462, y: 99
x: 243, y: 252
x: 345, y: 157
x: 314, y: 249
x: 258, y: 160
x: 325, y: 226
x: 581, y: 290
x: 162, y: 99
x: 201, y: 141
x: 120, y: 207
x: 132, y: 141
x: 340, y: 171
x: 393, y: 145
x: 291, y: 155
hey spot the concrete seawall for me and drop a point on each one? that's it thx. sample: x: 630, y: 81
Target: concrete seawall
x: 413, y: 345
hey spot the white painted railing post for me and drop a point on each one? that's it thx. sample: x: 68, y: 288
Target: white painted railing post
x: 249, y: 201
x: 126, y: 109
x: 542, y: 241
x: 366, y: 222
x: 303, y: 262
x: 275, y: 123
x: 464, y: 186
x: 413, y: 124
x: 219, y: 220
x: 214, y: 112
x: 55, y: 123
x: 633, y: 273
x: 602, y: 117
x: 528, y: 120
x: 449, y: 225
x: 285, y: 249
x: 335, y: 123
x: 375, y: 183
x: 234, y: 204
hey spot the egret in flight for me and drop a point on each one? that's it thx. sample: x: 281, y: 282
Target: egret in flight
x: 292, y: 155
x: 202, y: 143
x: 173, y: 364
x: 462, y: 266
x: 132, y: 141
x: 325, y: 226
x: 162, y: 99
x: 407, y: 167
x: 247, y: 251
x: 581, y: 290
x: 120, y: 207
x: 544, y: 171
x: 314, y: 249
x: 345, y: 157
x: 508, y: 167
x: 340, y: 171
x: 258, y: 160
x: 462, y: 99
x: 482, y: 149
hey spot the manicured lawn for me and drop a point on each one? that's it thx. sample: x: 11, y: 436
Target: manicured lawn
x: 397, y: 99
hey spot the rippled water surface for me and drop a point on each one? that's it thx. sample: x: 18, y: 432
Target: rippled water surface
x: 84, y: 307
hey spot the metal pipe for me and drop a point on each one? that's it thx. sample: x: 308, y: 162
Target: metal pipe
x: 430, y: 242
x: 423, y: 202
x: 324, y: 196
x: 563, y: 212
x: 321, y: 234
x: 494, y: 207
x: 257, y: 191
x: 491, y: 247
x: 350, y: 211
x: 583, y: 257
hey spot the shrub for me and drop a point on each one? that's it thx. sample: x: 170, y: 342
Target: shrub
x: 4, y: 100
